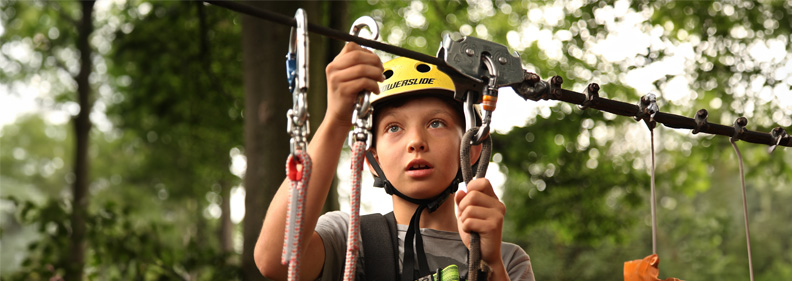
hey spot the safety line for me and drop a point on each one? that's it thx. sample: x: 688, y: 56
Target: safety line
x: 667, y: 119
x: 745, y: 209
x: 329, y: 32
x: 602, y: 104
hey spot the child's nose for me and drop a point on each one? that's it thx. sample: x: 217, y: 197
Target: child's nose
x: 416, y: 146
x: 417, y: 143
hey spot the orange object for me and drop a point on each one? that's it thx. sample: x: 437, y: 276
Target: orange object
x: 646, y: 269
x: 489, y: 102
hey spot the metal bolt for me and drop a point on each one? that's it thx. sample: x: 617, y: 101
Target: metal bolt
x: 470, y: 52
x: 503, y: 60
x: 557, y: 81
x: 742, y: 121
x: 594, y: 89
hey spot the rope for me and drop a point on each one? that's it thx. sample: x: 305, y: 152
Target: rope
x: 474, y: 255
x: 298, y: 178
x: 745, y: 208
x: 353, y: 239
x: 653, y: 199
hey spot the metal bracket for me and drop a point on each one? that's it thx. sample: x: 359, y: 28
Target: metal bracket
x: 464, y: 59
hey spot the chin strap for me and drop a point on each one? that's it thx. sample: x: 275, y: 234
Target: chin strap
x: 409, y: 270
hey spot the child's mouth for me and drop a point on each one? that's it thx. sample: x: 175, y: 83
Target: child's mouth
x: 419, y: 169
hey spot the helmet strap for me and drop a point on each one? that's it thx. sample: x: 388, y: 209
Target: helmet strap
x: 409, y: 270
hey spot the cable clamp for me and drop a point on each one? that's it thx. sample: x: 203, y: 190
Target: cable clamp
x: 592, y: 96
x: 647, y: 109
x: 777, y: 133
x: 739, y: 128
x: 701, y: 121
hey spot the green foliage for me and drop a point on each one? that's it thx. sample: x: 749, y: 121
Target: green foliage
x: 122, y: 247
x: 578, y: 183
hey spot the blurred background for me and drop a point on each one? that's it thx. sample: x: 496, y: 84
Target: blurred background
x: 143, y: 140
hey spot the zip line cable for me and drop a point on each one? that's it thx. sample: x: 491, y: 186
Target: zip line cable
x: 532, y: 87
x: 329, y: 32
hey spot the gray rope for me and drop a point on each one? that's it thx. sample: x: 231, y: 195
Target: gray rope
x: 745, y: 207
x: 474, y: 256
x: 652, y: 203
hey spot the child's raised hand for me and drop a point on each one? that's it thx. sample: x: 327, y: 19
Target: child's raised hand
x: 354, y: 69
x: 480, y: 211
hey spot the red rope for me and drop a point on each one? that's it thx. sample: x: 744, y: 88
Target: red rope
x: 353, y: 240
x: 299, y: 177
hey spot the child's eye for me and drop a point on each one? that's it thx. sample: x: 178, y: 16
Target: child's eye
x: 392, y: 129
x: 436, y: 124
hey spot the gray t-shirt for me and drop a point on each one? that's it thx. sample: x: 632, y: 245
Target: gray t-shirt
x: 442, y: 248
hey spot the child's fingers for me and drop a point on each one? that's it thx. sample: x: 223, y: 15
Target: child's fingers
x: 359, y: 84
x: 483, y: 225
x: 482, y: 185
x: 357, y: 72
x: 478, y: 198
x: 351, y: 57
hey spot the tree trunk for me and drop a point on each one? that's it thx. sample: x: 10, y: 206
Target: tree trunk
x: 75, y: 258
x: 226, y: 226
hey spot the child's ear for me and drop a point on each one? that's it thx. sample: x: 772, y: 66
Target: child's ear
x: 373, y: 153
x: 475, y: 152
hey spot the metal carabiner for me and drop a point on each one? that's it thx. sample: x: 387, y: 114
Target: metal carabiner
x: 361, y: 117
x: 489, y: 100
x: 297, y: 75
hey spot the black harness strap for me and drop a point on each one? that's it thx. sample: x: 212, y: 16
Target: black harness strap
x: 380, y: 248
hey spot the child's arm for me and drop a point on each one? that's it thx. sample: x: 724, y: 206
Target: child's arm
x: 353, y: 70
x: 480, y: 211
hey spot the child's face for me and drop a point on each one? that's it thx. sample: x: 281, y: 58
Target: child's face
x: 418, y: 145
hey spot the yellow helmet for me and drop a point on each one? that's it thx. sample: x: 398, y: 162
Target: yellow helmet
x: 404, y: 75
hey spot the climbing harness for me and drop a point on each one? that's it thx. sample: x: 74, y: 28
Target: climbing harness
x: 647, y: 110
x: 739, y: 128
x: 298, y: 164
x: 360, y: 141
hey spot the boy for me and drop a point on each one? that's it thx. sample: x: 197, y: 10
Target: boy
x: 417, y: 132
